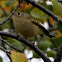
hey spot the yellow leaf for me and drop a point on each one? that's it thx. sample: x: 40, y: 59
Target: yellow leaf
x: 18, y: 57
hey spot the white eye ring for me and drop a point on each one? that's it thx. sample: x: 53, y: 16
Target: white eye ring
x: 18, y: 13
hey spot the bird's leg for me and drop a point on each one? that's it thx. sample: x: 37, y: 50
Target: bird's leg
x: 33, y: 43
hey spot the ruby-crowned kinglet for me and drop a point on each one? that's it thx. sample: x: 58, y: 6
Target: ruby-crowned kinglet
x: 24, y: 25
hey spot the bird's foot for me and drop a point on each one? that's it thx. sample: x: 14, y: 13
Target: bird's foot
x: 33, y: 43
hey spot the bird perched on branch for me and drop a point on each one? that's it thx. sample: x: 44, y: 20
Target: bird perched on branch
x: 27, y: 25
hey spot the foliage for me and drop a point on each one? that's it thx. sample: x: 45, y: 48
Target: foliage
x: 18, y: 57
x: 0, y: 59
x: 51, y: 53
x: 44, y: 42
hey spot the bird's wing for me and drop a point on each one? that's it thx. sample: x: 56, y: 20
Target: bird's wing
x: 36, y: 22
x: 42, y: 28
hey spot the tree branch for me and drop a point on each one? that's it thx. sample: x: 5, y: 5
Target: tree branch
x: 59, y: 54
x: 52, y: 29
x: 11, y: 13
x: 10, y: 45
x: 28, y: 43
x: 43, y: 29
x: 54, y: 43
x: 6, y: 53
x: 3, y: 10
x: 9, y: 16
x: 44, y: 10
x: 45, y: 32
x: 20, y: 1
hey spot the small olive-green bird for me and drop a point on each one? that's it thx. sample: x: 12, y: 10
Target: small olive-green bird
x: 23, y: 24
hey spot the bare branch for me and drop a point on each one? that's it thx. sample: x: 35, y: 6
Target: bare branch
x: 28, y: 43
x: 9, y: 16
x: 6, y: 53
x: 52, y: 29
x: 10, y: 45
x: 59, y: 54
x: 45, y: 10
x: 20, y: 1
x: 45, y: 32
x: 54, y: 42
x: 4, y: 10
x: 11, y: 13
x: 43, y: 29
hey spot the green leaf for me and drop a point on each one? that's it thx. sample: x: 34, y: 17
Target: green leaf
x: 1, y: 12
x: 35, y: 55
x: 58, y: 41
x: 18, y: 57
x: 38, y: 14
x: 51, y: 54
x: 27, y: 10
x: 43, y: 45
x: 49, y: 7
x: 59, y: 27
x: 5, y: 25
x: 57, y: 7
x: 0, y: 59
x: 2, y: 19
x: 17, y: 44
x: 9, y: 2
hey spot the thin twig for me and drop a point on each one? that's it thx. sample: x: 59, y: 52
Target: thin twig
x: 20, y: 1
x: 43, y: 29
x: 28, y: 43
x: 53, y: 42
x: 10, y: 45
x: 6, y: 52
x: 49, y: 23
x: 59, y: 54
x: 10, y: 15
x: 60, y: 1
x: 5, y: 13
x: 55, y: 49
x: 45, y: 32
x: 44, y: 10
x: 3, y: 45
x: 52, y: 29
x: 4, y: 10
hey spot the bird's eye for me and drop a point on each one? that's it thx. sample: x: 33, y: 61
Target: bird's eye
x: 18, y: 13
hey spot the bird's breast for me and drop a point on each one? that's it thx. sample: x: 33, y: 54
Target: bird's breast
x: 27, y: 28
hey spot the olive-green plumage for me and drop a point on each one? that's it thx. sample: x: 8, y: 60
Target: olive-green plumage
x: 24, y: 25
